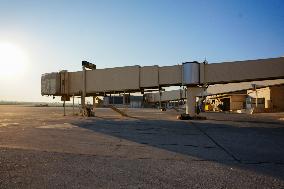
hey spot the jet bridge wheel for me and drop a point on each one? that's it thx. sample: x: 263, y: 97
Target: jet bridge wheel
x: 87, y: 112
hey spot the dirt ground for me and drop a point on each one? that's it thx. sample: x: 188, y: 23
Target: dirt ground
x: 41, y: 148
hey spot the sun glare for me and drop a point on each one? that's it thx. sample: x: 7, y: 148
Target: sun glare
x: 13, y: 60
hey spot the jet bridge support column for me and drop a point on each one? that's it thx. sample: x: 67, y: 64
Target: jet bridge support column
x: 85, y: 64
x: 83, y: 104
x: 94, y: 103
x: 193, y: 76
x: 191, y: 93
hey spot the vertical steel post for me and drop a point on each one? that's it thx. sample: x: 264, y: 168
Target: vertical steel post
x: 94, y: 103
x: 191, y: 94
x: 123, y: 98
x: 83, y: 104
x: 256, y: 95
x: 160, y: 95
x: 73, y: 105
x: 64, y: 107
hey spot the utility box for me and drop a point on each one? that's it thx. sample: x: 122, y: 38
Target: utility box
x: 191, y: 73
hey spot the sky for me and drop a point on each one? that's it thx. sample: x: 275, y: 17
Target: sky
x: 57, y: 35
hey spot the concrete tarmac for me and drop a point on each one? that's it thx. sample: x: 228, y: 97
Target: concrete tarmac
x: 41, y: 148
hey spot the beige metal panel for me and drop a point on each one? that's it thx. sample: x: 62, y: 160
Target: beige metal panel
x: 202, y: 72
x: 64, y: 82
x: 261, y: 93
x: 244, y: 70
x: 113, y: 79
x: 277, y: 97
x: 50, y: 84
x: 149, y: 76
x: 75, y: 83
x: 170, y: 75
x: 166, y: 96
x: 237, y: 102
x: 233, y: 87
x: 173, y: 95
x: 152, y: 97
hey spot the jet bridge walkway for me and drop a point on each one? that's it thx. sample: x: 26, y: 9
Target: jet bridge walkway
x: 193, y: 75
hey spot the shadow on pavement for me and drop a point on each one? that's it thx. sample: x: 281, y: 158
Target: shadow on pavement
x: 255, y: 148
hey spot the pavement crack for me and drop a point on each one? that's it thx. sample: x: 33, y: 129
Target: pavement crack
x: 217, y: 144
x: 191, y: 145
x: 144, y: 143
x: 261, y: 163
x: 146, y: 133
x: 171, y: 144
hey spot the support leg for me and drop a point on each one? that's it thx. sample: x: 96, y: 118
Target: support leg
x: 64, y: 108
x: 123, y: 98
x: 83, y: 103
x: 160, y: 98
x: 191, y: 93
x: 73, y: 105
x: 94, y: 103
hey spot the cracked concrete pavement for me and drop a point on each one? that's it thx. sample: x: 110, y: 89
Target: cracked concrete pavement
x: 40, y: 148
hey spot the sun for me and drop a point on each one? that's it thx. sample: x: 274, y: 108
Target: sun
x: 13, y: 60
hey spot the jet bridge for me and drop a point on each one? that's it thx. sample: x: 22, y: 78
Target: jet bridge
x: 194, y: 75
x: 109, y: 80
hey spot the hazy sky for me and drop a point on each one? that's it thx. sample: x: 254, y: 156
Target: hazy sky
x: 56, y: 35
